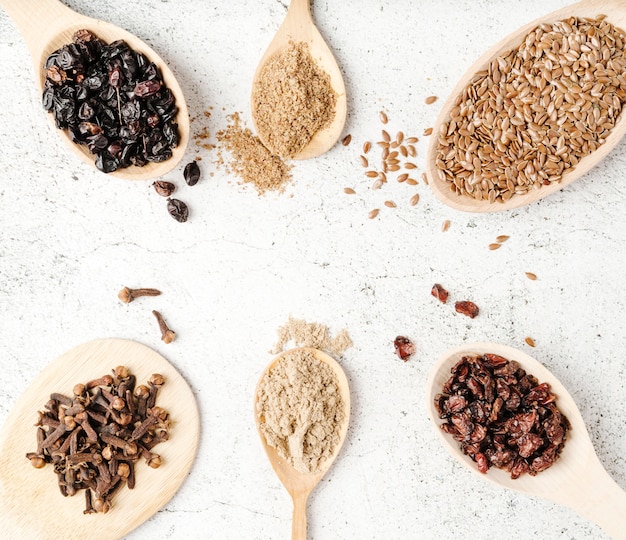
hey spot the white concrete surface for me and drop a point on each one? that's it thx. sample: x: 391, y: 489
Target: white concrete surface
x: 70, y: 238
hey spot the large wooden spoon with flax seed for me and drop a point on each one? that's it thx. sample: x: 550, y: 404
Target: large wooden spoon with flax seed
x: 615, y: 13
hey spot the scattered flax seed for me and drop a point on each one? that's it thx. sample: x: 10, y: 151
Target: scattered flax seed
x: 394, y: 168
x: 531, y: 276
x: 425, y: 178
x: 383, y: 117
x: 530, y: 341
x: 403, y: 177
x: 502, y: 238
x: 292, y: 100
x: 390, y: 204
x: 378, y: 184
x: 409, y: 165
x: 430, y: 100
x: 364, y: 161
x: 383, y: 177
x: 371, y: 174
x: 411, y: 150
x: 404, y: 151
x: 385, y: 135
x: 428, y: 131
x: 445, y: 225
x: 415, y: 199
x: 346, y: 140
x: 494, y: 246
x: 411, y: 182
x: 348, y: 191
x: 411, y: 140
x: 366, y: 147
x: 373, y: 213
x: 252, y: 162
x: 399, y: 137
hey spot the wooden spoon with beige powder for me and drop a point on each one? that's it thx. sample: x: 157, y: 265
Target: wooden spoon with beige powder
x: 302, y: 411
x: 298, y: 96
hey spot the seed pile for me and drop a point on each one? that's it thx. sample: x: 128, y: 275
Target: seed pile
x: 252, y: 161
x: 501, y: 416
x: 536, y: 111
x: 111, y: 99
x: 95, y: 438
x: 292, y: 100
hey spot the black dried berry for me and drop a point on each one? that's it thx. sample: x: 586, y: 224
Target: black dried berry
x: 192, y: 173
x: 178, y: 210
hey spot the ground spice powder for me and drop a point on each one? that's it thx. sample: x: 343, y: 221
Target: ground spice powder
x: 314, y: 335
x: 301, y: 411
x: 292, y: 100
x: 251, y: 161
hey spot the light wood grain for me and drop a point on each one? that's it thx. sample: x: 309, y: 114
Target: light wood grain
x: 577, y: 479
x: 298, y: 26
x: 31, y: 505
x: 300, y: 485
x: 47, y: 25
x: 615, y: 10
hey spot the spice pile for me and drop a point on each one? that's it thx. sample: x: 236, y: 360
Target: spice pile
x: 501, y: 416
x: 314, y: 335
x: 292, y: 100
x: 111, y: 99
x: 95, y: 438
x: 252, y: 161
x: 536, y: 111
x: 301, y: 411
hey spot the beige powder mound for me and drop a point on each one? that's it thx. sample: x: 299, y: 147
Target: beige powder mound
x: 301, y: 411
x: 292, y: 100
x: 315, y: 335
x: 251, y: 161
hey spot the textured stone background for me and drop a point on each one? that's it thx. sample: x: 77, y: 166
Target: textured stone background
x: 71, y: 237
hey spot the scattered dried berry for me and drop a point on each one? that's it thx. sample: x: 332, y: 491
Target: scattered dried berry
x: 466, y: 308
x: 163, y: 188
x: 501, y: 416
x: 404, y: 347
x: 178, y: 210
x: 439, y: 293
x: 192, y: 173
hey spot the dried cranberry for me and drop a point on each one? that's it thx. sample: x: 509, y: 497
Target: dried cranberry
x: 404, y: 347
x: 467, y: 308
x: 439, y: 293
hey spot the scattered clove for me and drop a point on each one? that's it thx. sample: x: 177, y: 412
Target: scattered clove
x: 97, y: 448
x: 167, y: 335
x: 127, y: 295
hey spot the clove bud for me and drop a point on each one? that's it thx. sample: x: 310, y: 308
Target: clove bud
x: 127, y: 295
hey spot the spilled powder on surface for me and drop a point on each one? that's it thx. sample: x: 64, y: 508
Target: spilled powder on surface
x: 315, y: 335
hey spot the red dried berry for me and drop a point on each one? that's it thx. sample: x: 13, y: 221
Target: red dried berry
x: 466, y: 308
x: 404, y: 347
x: 439, y: 293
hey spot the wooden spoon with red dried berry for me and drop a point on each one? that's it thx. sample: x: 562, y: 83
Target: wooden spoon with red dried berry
x: 47, y: 25
x: 576, y: 479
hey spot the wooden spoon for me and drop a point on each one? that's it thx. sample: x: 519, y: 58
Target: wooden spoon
x: 31, y: 505
x: 298, y: 26
x: 47, y: 25
x: 300, y: 485
x: 576, y: 480
x: 615, y: 11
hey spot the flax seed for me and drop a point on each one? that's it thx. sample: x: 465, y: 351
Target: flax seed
x: 348, y: 191
x: 346, y: 140
x: 373, y: 213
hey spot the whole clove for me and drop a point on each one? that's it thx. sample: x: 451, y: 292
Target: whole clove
x: 97, y: 446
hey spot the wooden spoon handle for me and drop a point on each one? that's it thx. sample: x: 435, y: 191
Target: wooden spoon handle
x: 300, y: 9
x: 38, y: 20
x: 601, y: 500
x: 298, y: 529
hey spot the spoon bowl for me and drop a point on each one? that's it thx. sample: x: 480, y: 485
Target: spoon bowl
x: 30, y: 503
x: 298, y: 484
x: 576, y: 480
x: 615, y: 12
x: 47, y: 25
x: 298, y: 26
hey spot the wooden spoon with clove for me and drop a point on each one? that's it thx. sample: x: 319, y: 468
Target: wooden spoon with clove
x: 298, y: 26
x: 47, y: 25
x: 576, y: 480
x: 31, y: 505
x: 298, y: 484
